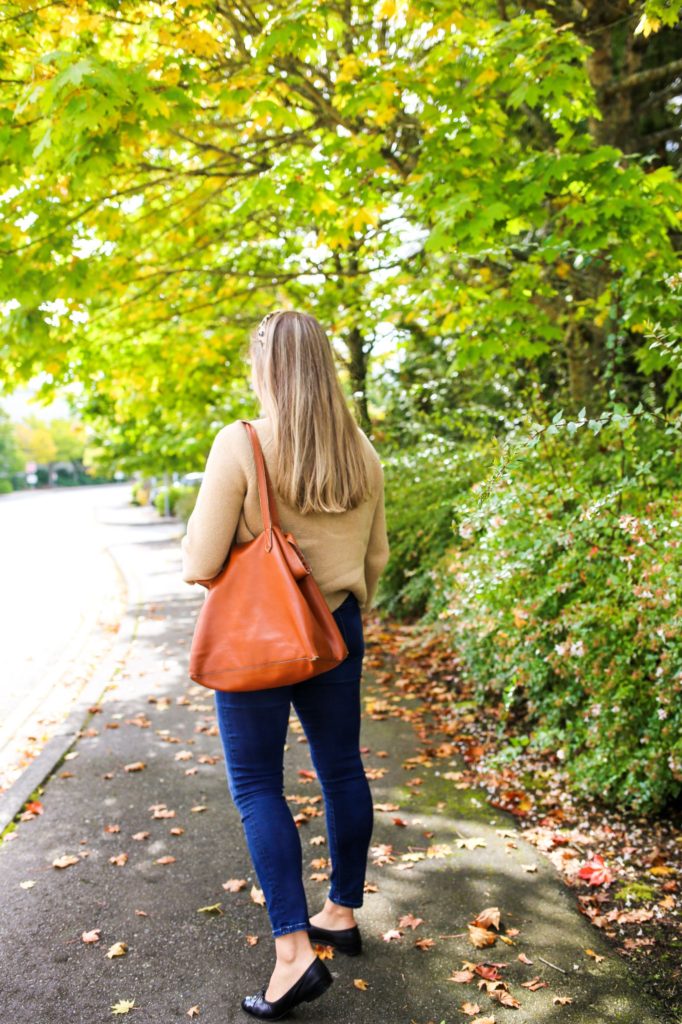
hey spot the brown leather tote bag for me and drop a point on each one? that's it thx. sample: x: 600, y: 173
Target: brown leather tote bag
x: 264, y: 621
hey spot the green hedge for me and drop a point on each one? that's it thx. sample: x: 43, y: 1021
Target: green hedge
x: 562, y: 593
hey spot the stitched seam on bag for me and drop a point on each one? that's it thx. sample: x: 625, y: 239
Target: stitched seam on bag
x: 262, y: 664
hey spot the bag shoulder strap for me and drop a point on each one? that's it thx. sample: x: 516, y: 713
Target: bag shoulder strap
x: 266, y: 494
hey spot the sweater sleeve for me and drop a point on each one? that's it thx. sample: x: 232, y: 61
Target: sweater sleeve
x: 377, y: 548
x: 213, y: 523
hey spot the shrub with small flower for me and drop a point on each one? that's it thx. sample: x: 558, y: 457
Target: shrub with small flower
x: 563, y: 596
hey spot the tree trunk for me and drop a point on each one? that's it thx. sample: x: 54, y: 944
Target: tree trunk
x: 357, y: 368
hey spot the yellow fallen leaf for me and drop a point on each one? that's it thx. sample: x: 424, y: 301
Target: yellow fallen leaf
x: 118, y: 949
x: 470, y: 844
x: 123, y: 1006
x: 27, y: 885
x: 360, y: 983
x: 471, y: 1009
x: 595, y: 956
x: 214, y: 908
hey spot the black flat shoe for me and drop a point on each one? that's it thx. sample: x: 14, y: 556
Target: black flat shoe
x: 346, y: 940
x: 315, y: 980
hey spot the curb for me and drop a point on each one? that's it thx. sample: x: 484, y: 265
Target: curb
x: 13, y: 799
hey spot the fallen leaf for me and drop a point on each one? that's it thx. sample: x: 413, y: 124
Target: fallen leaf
x: 471, y: 1009
x: 410, y: 921
x: 198, y: 807
x: 530, y: 868
x: 136, y: 766
x: 165, y: 860
x: 470, y: 844
x: 141, y: 835
x: 28, y: 884
x: 119, y: 858
x: 360, y: 983
x: 500, y: 995
x: 524, y: 959
x: 534, y: 984
x: 392, y: 933
x: 234, y: 884
x: 595, y: 956
x: 488, y: 918
x: 425, y: 943
x: 66, y: 861
x: 123, y: 1006
x: 595, y: 872
x: 462, y: 977
x: 562, y: 1000
x: 324, y: 952
x: 213, y: 908
x: 118, y: 949
x: 193, y: 1011
x: 251, y: 940
x: 257, y: 895
x: 481, y: 937
x: 93, y: 936
x: 484, y: 1020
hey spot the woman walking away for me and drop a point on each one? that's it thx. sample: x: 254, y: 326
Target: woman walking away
x: 329, y: 490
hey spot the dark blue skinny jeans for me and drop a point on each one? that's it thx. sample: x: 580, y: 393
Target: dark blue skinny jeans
x: 253, y: 728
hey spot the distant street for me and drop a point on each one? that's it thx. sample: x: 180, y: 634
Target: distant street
x: 61, y: 598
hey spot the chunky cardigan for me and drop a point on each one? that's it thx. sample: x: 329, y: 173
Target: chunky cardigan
x: 347, y: 551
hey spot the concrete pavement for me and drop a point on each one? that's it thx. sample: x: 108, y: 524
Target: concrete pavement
x: 181, y: 961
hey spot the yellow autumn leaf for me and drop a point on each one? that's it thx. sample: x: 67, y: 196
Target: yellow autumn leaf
x: 123, y: 1006
x: 118, y: 949
x: 487, y: 75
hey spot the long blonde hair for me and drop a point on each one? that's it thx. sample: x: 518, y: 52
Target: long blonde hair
x: 320, y: 462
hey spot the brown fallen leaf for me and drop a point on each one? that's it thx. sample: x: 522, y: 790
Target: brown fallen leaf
x: 66, y: 861
x: 534, y: 984
x: 481, y: 937
x: 471, y: 1009
x: 141, y: 835
x: 234, y: 884
x: 462, y: 977
x: 425, y: 943
x: 387, y: 807
x: 318, y: 876
x: 488, y: 918
x: 257, y: 895
x: 165, y: 860
x: 410, y: 921
x: 317, y: 841
x: 93, y: 936
x: 112, y: 828
x: 251, y: 940
x: 392, y: 933
x: 120, y: 859
x: 142, y: 913
x: 136, y: 766
x: 500, y: 995
x: 484, y: 1020
x: 595, y: 956
x: 198, y: 808
x: 524, y: 959
x: 562, y: 1000
x: 193, y: 1011
x: 324, y: 952
x: 470, y: 844
x: 360, y: 983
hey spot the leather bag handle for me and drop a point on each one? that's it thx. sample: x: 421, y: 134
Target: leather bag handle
x: 266, y: 494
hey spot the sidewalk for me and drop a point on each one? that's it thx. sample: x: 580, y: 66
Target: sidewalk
x: 176, y: 838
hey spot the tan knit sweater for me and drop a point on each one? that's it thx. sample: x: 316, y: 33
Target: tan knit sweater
x: 347, y: 551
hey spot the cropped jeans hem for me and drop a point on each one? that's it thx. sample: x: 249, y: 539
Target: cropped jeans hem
x: 286, y: 929
x: 344, y: 903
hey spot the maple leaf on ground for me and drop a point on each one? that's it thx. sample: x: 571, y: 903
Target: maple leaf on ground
x: 165, y: 860
x: 360, y: 983
x: 471, y: 1009
x: 213, y: 908
x: 136, y: 766
x: 425, y: 943
x: 501, y: 995
x: 193, y: 1011
x: 462, y: 977
x: 562, y: 1000
x: 123, y: 1006
x: 118, y: 949
x: 481, y: 937
x: 595, y: 956
x: 324, y: 952
x: 410, y: 921
x: 93, y: 936
x: 251, y: 940
x: 524, y: 959
x: 66, y: 861
x: 488, y: 918
x: 595, y: 872
x: 470, y: 844
x: 392, y: 933
x: 234, y: 884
